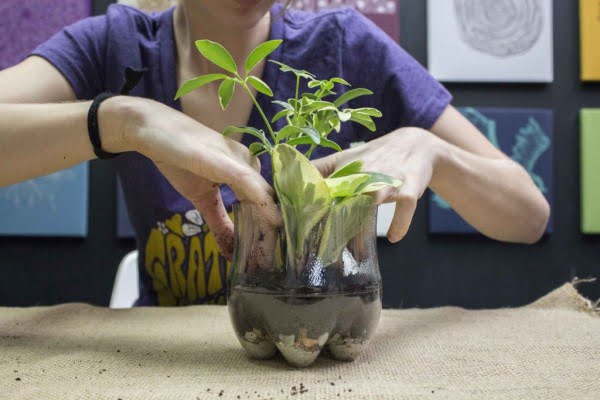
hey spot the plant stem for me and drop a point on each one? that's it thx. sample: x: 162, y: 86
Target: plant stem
x: 262, y: 114
x: 297, y: 86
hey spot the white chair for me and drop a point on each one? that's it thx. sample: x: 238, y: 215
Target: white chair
x: 127, y: 286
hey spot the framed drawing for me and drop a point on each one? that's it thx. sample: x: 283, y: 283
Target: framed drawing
x: 490, y: 40
x: 526, y: 135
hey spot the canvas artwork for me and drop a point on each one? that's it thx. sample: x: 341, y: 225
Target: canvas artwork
x: 384, y: 13
x: 526, y: 135
x: 589, y: 21
x: 53, y: 205
x: 490, y: 40
x: 590, y: 168
x: 24, y: 24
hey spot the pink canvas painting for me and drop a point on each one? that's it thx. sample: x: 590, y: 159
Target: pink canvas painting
x: 24, y: 24
x: 383, y: 12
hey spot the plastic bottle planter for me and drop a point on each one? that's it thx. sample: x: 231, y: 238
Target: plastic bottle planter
x: 294, y: 303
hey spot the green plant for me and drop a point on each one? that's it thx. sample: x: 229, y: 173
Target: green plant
x: 306, y: 197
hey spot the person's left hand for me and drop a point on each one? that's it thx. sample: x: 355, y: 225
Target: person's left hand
x: 407, y: 154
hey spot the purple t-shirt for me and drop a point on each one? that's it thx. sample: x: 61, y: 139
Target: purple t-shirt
x: 178, y: 256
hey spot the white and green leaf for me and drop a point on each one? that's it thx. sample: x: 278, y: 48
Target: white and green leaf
x: 260, y: 85
x: 257, y: 148
x: 346, y: 220
x: 226, y: 90
x: 377, y: 181
x: 353, y: 167
x: 301, y: 183
x: 245, y: 129
x: 345, y: 186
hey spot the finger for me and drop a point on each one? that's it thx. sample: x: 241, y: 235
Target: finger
x: 246, y: 182
x: 211, y: 208
x: 406, y: 204
x: 326, y: 165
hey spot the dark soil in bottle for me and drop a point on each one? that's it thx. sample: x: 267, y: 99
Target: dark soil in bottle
x: 301, y: 322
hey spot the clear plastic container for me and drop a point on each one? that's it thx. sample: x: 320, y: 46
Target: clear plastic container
x: 324, y: 297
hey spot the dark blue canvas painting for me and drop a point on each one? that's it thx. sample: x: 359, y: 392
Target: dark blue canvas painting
x: 53, y: 205
x: 124, y: 229
x: 526, y: 135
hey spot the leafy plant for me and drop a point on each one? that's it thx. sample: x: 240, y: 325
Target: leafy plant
x: 306, y: 197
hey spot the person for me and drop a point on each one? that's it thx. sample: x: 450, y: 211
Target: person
x: 181, y: 176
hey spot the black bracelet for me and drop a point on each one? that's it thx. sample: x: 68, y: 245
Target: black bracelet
x: 132, y: 77
x: 93, y: 130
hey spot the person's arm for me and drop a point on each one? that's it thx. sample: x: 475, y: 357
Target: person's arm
x: 41, y: 138
x: 37, y: 138
x: 488, y: 189
x: 492, y: 192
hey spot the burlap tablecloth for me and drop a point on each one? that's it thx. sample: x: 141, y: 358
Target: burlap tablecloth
x: 547, y: 350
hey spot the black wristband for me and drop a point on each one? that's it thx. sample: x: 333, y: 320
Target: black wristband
x: 93, y: 129
x: 132, y: 78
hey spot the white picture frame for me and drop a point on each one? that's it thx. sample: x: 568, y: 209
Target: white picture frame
x: 490, y: 40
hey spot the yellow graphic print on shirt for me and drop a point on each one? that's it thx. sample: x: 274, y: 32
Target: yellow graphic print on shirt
x: 183, y: 261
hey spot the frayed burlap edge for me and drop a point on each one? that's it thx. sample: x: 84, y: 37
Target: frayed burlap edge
x: 569, y: 293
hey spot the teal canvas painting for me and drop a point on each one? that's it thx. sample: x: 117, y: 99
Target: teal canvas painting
x: 52, y: 205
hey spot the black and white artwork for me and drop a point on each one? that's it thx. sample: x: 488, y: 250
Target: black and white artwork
x: 490, y: 40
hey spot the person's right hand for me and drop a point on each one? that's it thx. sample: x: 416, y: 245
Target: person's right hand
x: 194, y: 158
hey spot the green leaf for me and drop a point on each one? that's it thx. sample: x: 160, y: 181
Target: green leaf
x: 298, y: 181
x: 257, y: 148
x: 260, y: 53
x: 344, y: 116
x: 297, y: 72
x: 345, y: 186
x: 281, y: 114
x: 330, y: 143
x: 259, y: 85
x: 226, y: 92
x: 300, y: 140
x: 340, y: 80
x: 364, y: 120
x: 283, y: 104
x: 198, y: 82
x: 318, y: 105
x: 373, y: 112
x: 377, y: 182
x: 245, y: 129
x: 217, y: 54
x: 351, y: 95
x: 313, y: 84
x: 335, y: 123
x: 287, y: 131
x: 346, y: 220
x: 352, y: 167
x: 312, y: 133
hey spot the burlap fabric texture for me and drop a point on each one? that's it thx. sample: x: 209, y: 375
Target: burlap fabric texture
x: 547, y: 350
